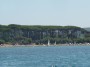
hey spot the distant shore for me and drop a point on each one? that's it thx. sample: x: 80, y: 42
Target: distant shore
x: 32, y: 45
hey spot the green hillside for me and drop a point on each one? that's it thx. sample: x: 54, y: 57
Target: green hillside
x: 26, y: 34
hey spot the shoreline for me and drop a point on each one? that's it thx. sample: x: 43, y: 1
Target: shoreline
x: 33, y: 45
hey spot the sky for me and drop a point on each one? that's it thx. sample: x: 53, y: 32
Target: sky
x: 45, y: 12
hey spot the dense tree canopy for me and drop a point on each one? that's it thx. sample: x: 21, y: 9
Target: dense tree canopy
x: 24, y: 34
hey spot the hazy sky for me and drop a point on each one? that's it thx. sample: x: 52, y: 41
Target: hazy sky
x: 45, y: 12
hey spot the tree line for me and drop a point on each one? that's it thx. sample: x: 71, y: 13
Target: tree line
x: 28, y: 34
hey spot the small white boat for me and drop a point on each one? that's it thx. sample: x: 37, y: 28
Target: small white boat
x: 55, y: 43
x: 48, y: 42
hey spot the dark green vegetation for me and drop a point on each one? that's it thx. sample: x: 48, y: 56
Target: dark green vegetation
x: 24, y: 34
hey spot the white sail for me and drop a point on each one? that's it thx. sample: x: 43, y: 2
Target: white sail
x: 48, y: 42
x: 55, y: 43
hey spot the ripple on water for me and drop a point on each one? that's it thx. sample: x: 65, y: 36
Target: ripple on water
x: 61, y: 56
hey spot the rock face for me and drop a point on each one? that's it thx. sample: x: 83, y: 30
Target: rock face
x: 40, y: 34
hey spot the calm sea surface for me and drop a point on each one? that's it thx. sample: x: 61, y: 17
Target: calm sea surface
x: 43, y: 56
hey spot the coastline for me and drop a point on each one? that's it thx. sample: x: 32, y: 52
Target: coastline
x: 33, y: 45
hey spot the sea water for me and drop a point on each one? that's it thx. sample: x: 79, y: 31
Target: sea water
x: 45, y: 56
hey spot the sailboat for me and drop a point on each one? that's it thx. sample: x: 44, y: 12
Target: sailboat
x: 55, y: 43
x: 48, y: 42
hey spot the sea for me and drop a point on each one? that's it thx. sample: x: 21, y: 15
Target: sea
x: 45, y: 56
